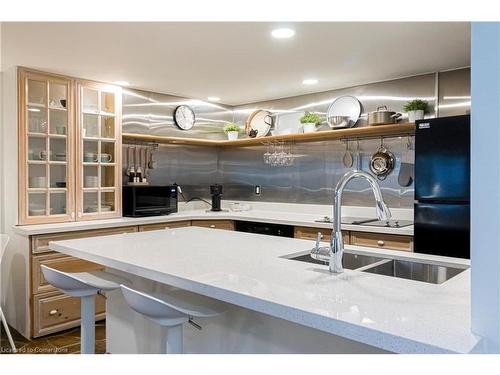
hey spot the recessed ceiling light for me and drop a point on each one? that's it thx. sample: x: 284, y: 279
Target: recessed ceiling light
x: 213, y: 98
x: 122, y: 83
x: 283, y: 33
x: 310, y: 81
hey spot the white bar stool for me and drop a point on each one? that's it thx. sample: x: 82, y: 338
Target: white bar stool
x: 4, y: 240
x: 172, y: 310
x: 84, y: 285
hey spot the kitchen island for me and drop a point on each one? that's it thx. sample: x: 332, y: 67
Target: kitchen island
x: 276, y: 304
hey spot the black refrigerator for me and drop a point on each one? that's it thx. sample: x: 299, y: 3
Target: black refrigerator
x: 442, y: 186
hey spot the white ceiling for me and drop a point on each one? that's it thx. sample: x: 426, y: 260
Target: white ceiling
x: 238, y: 62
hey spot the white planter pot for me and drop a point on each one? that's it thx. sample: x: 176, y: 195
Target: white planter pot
x: 232, y: 136
x: 309, y: 127
x: 415, y: 115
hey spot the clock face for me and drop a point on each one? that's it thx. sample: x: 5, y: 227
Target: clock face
x: 184, y: 117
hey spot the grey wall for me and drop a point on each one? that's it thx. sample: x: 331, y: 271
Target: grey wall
x: 318, y: 165
x: 393, y: 94
x: 151, y: 113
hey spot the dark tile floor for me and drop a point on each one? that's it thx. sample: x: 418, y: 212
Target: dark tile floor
x: 67, y: 342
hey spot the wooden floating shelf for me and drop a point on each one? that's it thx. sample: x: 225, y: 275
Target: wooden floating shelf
x: 352, y: 133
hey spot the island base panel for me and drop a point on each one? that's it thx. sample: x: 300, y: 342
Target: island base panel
x: 238, y: 330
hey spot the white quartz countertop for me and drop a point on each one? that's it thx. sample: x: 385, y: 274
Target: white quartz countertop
x: 249, y: 270
x: 289, y: 214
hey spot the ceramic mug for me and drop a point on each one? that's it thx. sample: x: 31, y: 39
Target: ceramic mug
x: 90, y: 157
x: 106, y: 158
x: 61, y: 129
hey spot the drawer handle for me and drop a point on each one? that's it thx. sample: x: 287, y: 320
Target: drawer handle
x: 212, y: 226
x: 380, y: 243
x: 53, y: 312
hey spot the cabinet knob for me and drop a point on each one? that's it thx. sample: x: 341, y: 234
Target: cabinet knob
x: 212, y: 226
x: 380, y: 243
x: 53, y: 312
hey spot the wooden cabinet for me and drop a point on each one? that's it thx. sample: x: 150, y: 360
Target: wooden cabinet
x: 40, y: 242
x: 368, y: 239
x: 308, y: 233
x: 99, y: 172
x: 215, y: 224
x: 60, y: 262
x: 160, y: 226
x: 383, y: 241
x: 52, y: 311
x: 69, y: 149
x: 46, y: 148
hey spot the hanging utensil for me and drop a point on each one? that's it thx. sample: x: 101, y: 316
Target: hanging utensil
x: 406, y: 169
x: 358, y: 157
x: 382, y: 162
x: 131, y: 169
x: 127, y: 168
x: 138, y: 170
x: 151, y: 163
x: 347, y: 159
x: 145, y: 165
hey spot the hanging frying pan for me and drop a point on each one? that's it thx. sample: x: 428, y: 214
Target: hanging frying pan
x: 382, y: 162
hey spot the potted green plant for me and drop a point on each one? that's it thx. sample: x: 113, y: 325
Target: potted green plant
x: 232, y: 130
x: 415, y: 109
x: 309, y: 121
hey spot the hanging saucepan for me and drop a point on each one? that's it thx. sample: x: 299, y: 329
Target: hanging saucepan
x: 382, y: 162
x: 382, y: 116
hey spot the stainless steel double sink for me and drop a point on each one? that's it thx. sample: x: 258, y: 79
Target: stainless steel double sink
x: 406, y: 269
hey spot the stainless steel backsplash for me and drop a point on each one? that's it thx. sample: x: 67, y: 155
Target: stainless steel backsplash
x: 318, y: 165
x: 311, y: 179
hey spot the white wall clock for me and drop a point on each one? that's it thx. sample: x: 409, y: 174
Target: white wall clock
x: 184, y: 117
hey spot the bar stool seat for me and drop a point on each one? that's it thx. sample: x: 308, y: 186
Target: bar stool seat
x: 84, y: 285
x: 172, y: 310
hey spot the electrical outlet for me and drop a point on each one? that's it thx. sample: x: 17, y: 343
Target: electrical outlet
x: 258, y: 189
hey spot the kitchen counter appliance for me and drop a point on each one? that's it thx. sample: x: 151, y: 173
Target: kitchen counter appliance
x: 442, y: 186
x: 216, y: 192
x: 279, y: 230
x: 141, y: 201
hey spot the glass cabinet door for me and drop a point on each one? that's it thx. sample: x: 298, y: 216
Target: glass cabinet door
x: 99, y: 151
x: 45, y: 131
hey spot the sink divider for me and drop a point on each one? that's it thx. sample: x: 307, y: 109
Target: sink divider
x: 368, y: 266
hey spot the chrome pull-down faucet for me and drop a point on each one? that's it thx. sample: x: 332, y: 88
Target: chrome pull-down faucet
x: 335, y: 252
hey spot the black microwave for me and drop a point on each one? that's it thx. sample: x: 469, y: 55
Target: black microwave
x: 149, y: 200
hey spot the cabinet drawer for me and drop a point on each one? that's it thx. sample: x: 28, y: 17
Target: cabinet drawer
x: 60, y: 262
x: 384, y: 241
x: 40, y: 243
x: 308, y: 233
x: 160, y: 226
x: 53, y: 312
x: 216, y: 224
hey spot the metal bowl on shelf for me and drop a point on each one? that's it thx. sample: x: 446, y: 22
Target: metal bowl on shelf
x: 339, y: 121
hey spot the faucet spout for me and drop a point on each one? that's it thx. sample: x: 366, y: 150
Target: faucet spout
x: 336, y: 252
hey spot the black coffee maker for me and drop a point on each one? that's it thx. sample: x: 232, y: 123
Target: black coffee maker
x: 216, y: 192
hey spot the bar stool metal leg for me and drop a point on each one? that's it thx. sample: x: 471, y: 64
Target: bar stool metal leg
x: 174, y: 340
x: 87, y: 324
x: 6, y: 327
